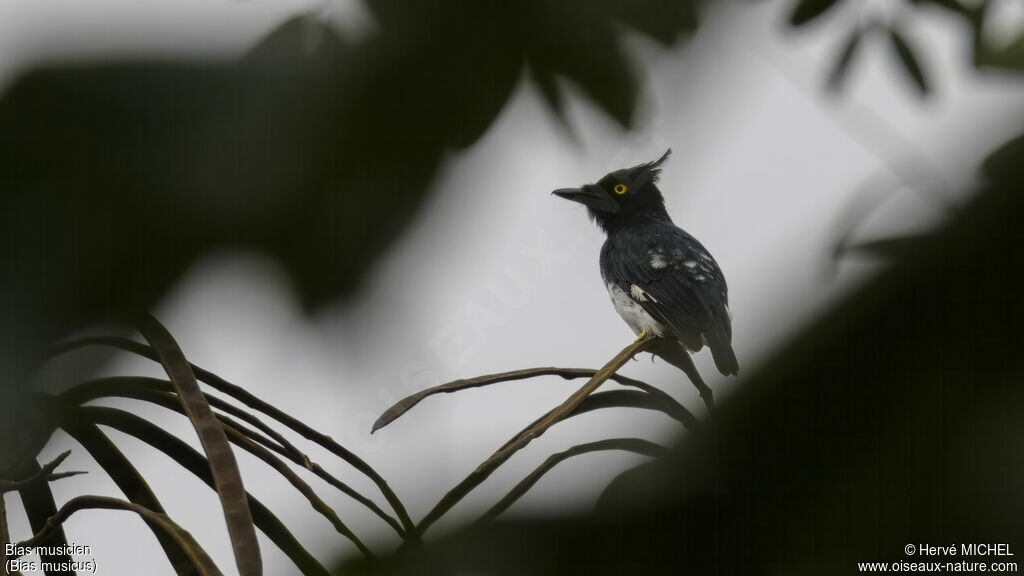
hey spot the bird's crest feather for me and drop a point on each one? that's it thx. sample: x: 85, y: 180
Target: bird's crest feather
x: 649, y: 171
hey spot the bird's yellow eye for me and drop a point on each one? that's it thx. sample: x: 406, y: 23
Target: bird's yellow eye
x: 620, y: 189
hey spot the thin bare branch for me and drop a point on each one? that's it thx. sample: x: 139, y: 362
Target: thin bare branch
x: 161, y: 393
x: 404, y: 405
x: 629, y: 444
x: 255, y: 403
x: 199, y: 558
x: 484, y: 470
x: 305, y: 489
x: 196, y: 463
x: 619, y: 399
x: 129, y: 480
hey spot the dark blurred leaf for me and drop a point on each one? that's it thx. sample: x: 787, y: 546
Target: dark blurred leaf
x: 627, y: 489
x: 662, y: 20
x: 26, y: 424
x: 951, y: 5
x: 550, y: 90
x: 842, y: 65
x: 1004, y: 163
x: 909, y: 60
x: 226, y: 476
x: 574, y: 40
x: 807, y: 10
x: 313, y: 150
x: 1010, y: 58
x: 889, y: 249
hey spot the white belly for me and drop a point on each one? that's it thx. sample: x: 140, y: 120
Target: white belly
x: 635, y: 316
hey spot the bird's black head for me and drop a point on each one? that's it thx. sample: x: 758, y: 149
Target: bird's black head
x: 622, y: 195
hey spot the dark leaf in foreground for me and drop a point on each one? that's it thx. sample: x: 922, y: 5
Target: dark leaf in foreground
x: 842, y: 65
x: 952, y: 5
x: 1010, y: 57
x: 312, y: 150
x: 910, y: 62
x: 889, y: 249
x: 807, y: 10
x: 1004, y: 163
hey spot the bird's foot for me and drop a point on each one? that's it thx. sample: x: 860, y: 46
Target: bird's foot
x: 643, y: 334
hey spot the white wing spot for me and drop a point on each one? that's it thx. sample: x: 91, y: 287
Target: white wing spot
x: 638, y: 293
x: 701, y: 278
x: 690, y: 263
x: 632, y: 312
x: 657, y: 260
x: 705, y: 256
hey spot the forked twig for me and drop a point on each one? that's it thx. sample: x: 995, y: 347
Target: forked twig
x: 47, y: 473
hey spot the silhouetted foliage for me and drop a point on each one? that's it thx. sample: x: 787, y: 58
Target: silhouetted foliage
x: 120, y: 174
x: 807, y: 10
x: 868, y: 18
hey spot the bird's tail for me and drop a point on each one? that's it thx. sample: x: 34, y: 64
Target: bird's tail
x: 719, y: 340
x: 673, y: 352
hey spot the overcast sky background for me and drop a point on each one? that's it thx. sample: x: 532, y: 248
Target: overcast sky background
x: 496, y: 274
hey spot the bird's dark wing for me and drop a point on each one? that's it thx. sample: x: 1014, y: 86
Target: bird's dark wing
x: 678, y: 283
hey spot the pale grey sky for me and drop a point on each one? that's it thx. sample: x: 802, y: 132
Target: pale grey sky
x: 496, y: 274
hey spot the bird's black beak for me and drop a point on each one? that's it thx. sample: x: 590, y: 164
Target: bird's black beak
x: 591, y: 196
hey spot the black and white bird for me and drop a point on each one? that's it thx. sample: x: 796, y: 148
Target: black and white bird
x: 662, y: 281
